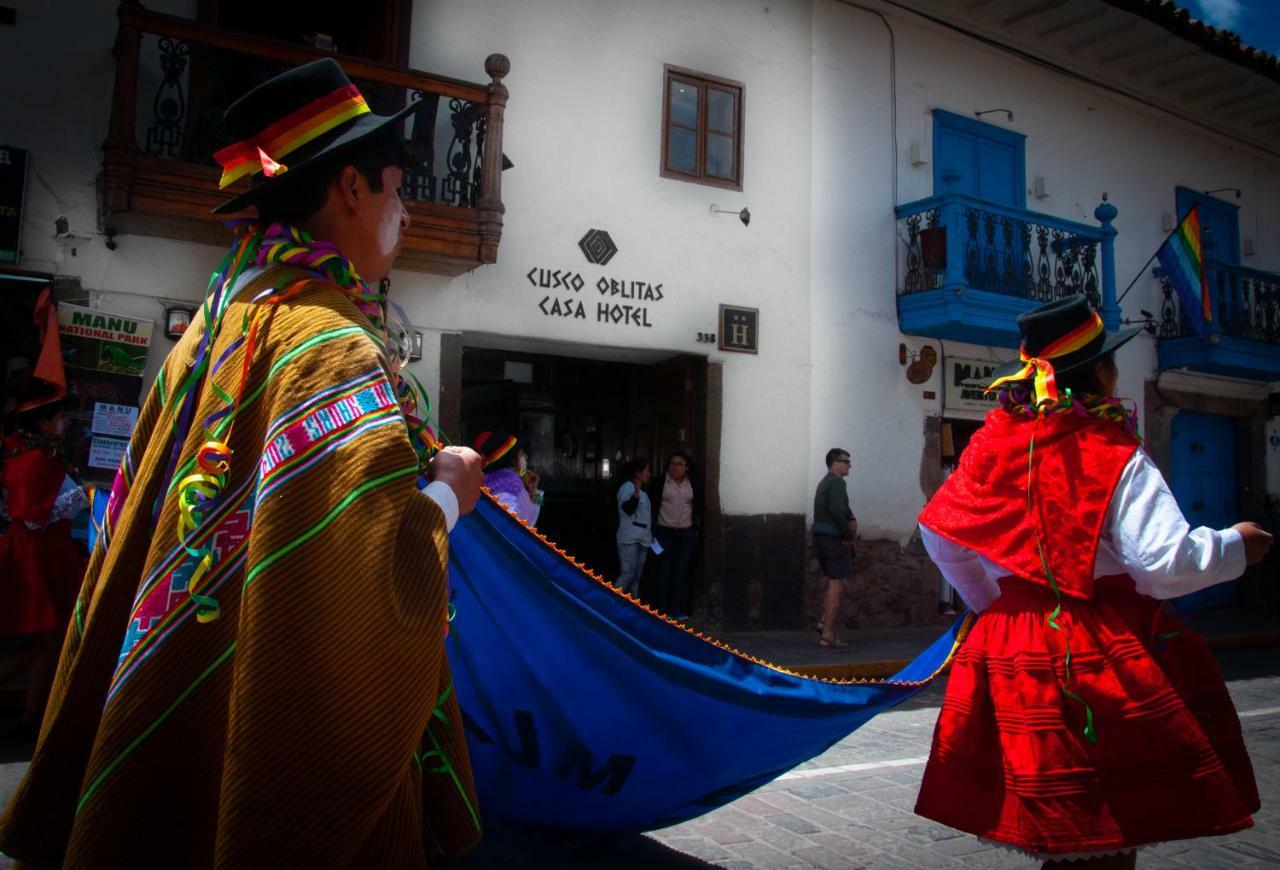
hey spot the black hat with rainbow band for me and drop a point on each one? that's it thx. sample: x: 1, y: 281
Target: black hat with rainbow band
x: 1056, y: 338
x: 495, y: 446
x: 296, y: 122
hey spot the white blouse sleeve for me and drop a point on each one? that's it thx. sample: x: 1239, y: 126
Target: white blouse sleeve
x: 962, y: 568
x: 70, y: 501
x: 1153, y: 541
x: 443, y: 495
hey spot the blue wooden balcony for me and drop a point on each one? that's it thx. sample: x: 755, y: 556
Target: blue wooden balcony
x: 968, y: 267
x: 1243, y: 339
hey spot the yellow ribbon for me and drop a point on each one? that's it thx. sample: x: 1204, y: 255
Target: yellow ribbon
x: 1041, y: 365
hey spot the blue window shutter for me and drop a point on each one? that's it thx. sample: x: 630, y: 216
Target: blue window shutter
x: 978, y: 159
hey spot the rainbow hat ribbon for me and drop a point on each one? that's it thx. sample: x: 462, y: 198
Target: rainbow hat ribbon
x: 1041, y: 365
x: 264, y: 150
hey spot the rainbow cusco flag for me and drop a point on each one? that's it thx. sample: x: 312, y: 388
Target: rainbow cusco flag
x: 1182, y: 257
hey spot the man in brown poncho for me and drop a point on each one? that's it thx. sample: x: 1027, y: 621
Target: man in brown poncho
x: 255, y: 673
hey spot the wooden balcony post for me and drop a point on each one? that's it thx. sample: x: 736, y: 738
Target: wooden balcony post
x: 490, y: 204
x: 1105, y: 213
x: 120, y: 150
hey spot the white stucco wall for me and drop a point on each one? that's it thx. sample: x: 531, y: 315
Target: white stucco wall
x: 583, y: 128
x: 55, y: 83
x: 1082, y: 139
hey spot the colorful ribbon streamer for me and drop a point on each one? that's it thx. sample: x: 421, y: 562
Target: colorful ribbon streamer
x: 197, y: 490
x: 1041, y: 365
x: 1090, y: 733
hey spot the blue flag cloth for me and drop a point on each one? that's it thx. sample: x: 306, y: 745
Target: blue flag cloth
x: 1182, y: 258
x: 586, y: 711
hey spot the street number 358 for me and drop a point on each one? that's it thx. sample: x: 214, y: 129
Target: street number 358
x: 707, y: 337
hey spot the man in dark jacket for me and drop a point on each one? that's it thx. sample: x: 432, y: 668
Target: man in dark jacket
x: 834, y: 528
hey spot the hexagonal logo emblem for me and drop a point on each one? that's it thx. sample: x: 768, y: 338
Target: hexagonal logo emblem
x: 597, y: 247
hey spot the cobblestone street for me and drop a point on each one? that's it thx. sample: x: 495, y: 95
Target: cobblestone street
x: 852, y: 807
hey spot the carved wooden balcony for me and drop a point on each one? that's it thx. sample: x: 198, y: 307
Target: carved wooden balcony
x: 175, y: 77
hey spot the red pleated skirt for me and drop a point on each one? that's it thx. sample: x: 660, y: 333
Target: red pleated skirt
x: 1010, y: 760
x: 40, y: 575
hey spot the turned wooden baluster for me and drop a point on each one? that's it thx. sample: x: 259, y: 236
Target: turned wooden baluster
x: 490, y: 204
x: 120, y: 150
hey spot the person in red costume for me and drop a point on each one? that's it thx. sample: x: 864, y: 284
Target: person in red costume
x: 1082, y: 719
x: 41, y: 566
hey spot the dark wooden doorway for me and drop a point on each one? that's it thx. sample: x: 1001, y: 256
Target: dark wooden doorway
x: 580, y: 420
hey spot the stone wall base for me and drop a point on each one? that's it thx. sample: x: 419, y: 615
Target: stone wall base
x: 771, y: 580
x: 892, y: 586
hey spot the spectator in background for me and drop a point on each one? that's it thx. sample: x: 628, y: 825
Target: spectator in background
x: 507, y: 475
x: 635, y: 533
x: 676, y: 531
x: 40, y: 565
x: 834, y: 528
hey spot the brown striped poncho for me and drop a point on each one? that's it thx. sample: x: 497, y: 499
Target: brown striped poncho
x: 312, y: 723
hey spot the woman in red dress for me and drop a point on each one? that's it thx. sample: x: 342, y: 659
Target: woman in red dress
x: 1081, y: 719
x: 41, y: 566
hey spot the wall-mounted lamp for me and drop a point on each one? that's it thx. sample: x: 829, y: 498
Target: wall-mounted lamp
x: 1148, y: 321
x: 1234, y: 190
x: 176, y: 321
x: 744, y: 215
x: 415, y: 347
x: 1008, y: 112
x: 918, y: 155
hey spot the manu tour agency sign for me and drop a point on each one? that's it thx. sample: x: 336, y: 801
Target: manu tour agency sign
x: 103, y: 341
x: 963, y: 383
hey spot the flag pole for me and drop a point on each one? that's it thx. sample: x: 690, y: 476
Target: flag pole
x: 1143, y: 270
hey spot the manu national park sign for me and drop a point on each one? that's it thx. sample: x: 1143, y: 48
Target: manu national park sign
x: 102, y: 341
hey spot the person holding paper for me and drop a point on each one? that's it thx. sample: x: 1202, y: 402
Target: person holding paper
x: 635, y: 532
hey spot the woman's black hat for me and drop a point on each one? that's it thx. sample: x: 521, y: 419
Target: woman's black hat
x: 1069, y: 331
x: 298, y: 122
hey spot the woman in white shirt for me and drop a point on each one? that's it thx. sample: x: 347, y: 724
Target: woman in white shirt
x: 1081, y: 718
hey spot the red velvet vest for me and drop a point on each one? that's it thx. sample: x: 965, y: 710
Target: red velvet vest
x: 1076, y: 465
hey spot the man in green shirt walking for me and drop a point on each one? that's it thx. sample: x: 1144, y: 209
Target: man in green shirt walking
x: 834, y: 528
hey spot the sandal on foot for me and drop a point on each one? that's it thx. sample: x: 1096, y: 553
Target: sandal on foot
x: 832, y: 644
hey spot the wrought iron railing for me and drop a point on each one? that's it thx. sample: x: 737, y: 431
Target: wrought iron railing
x: 185, y: 85
x: 958, y: 240
x: 1245, y: 303
x: 175, y: 77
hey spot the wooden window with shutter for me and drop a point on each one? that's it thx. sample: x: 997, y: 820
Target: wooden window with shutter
x: 701, y: 128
